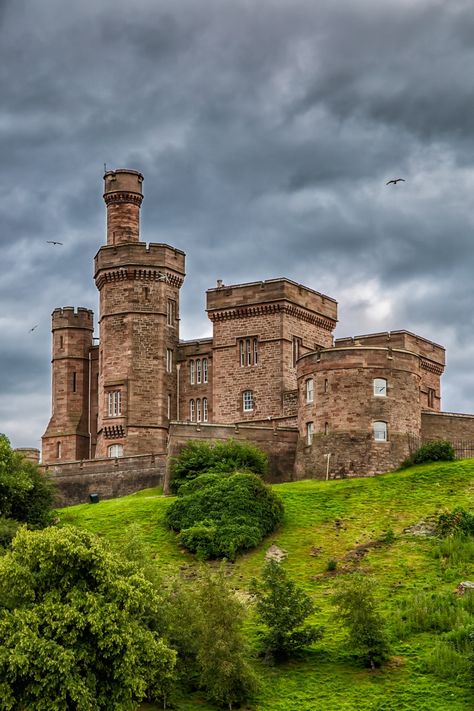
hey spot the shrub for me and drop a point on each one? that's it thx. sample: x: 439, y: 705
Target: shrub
x: 282, y: 608
x: 197, y: 458
x: 226, y: 515
x: 455, y: 522
x: 8, y: 529
x: 331, y: 565
x: 438, y: 451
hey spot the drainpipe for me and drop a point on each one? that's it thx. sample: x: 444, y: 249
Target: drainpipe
x: 89, y: 405
x: 178, y: 366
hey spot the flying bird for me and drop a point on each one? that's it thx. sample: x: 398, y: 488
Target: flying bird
x: 50, y: 241
x: 395, y: 181
x: 32, y: 329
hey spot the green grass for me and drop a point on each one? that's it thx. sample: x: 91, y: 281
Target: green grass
x: 324, y: 521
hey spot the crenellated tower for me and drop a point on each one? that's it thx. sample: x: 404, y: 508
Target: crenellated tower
x: 139, y: 327
x: 67, y: 437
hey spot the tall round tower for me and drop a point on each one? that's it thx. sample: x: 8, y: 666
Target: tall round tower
x: 139, y: 327
x: 67, y: 437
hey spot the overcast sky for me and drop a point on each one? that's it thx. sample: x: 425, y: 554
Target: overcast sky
x: 266, y: 131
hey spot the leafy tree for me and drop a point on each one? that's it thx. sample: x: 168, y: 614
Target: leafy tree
x: 282, y: 608
x: 222, y: 656
x: 198, y: 458
x: 223, y: 515
x: 26, y: 495
x: 357, y: 609
x: 80, y: 628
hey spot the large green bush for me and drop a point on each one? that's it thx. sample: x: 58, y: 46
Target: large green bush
x: 26, y: 495
x: 223, y: 515
x: 197, y: 458
x: 438, y: 451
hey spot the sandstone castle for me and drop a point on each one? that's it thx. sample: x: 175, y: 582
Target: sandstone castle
x: 272, y: 371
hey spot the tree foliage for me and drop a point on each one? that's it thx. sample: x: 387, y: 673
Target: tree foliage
x: 26, y: 495
x: 437, y: 451
x: 357, y: 609
x: 80, y: 628
x: 282, y: 608
x: 197, y: 458
x: 224, y: 515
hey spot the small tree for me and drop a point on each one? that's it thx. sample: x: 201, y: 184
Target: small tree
x: 357, y: 609
x: 283, y: 607
x: 222, y: 655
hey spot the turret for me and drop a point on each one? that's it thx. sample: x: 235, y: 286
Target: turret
x: 67, y: 437
x: 123, y: 197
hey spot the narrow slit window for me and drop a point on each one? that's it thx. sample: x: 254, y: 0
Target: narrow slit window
x: 198, y: 371
x: 191, y: 372
x: 191, y: 410
x: 74, y: 381
x: 309, y: 433
x: 204, y: 409
x: 309, y: 390
x: 255, y: 351
x: 169, y: 360
x: 241, y: 352
x: 204, y: 370
x: 198, y: 410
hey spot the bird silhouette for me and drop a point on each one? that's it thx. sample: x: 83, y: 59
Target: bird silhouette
x: 32, y: 329
x: 396, y: 180
x: 50, y: 241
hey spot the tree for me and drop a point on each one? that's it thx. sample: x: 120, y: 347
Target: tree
x: 80, y: 628
x: 357, y: 608
x: 222, y: 656
x: 26, y: 495
x: 282, y: 608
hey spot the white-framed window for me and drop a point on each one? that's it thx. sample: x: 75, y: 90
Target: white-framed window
x: 241, y: 352
x: 309, y: 390
x: 380, y: 431
x: 309, y: 433
x: 198, y: 371
x: 380, y: 387
x: 169, y: 360
x: 114, y: 403
x: 204, y: 370
x: 198, y: 410
x: 247, y: 400
x: 115, y: 450
x: 168, y: 407
x: 171, y: 312
x: 191, y: 372
x: 191, y: 410
x: 248, y: 351
x: 255, y: 351
x: 204, y: 409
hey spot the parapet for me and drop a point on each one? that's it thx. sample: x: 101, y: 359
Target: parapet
x: 69, y: 317
x: 139, y: 257
x: 398, y: 339
x: 128, y: 182
x: 268, y: 292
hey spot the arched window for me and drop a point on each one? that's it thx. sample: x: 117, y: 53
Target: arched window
x: 309, y: 390
x: 204, y: 370
x: 191, y: 372
x: 198, y: 371
x: 247, y: 401
x: 380, y: 387
x: 198, y: 410
x: 380, y: 431
x: 204, y: 409
x: 115, y: 450
x: 191, y: 410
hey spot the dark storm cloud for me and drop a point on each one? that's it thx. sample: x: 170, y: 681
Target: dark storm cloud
x: 266, y: 133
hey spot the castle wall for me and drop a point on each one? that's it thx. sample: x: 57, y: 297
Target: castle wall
x: 190, y: 352
x: 108, y: 478
x: 447, y: 425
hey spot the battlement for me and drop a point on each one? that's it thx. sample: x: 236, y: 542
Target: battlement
x: 71, y: 317
x: 276, y: 292
x: 140, y: 256
x: 398, y: 339
x: 122, y: 181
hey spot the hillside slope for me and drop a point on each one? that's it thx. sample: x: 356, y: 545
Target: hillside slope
x: 334, y: 521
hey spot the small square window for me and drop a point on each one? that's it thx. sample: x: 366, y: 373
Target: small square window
x: 380, y: 387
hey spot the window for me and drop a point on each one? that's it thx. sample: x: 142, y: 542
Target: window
x: 204, y: 370
x: 114, y: 403
x: 58, y: 450
x: 198, y: 371
x: 204, y: 409
x: 296, y: 349
x: 326, y: 428
x: 309, y: 433
x: 171, y: 312
x: 198, y: 410
x: 248, y: 351
x: 115, y: 450
x: 146, y: 291
x: 61, y: 342
x: 309, y: 390
x: 248, y: 401
x: 431, y: 397
x: 169, y: 360
x: 380, y: 387
x: 191, y: 410
x: 326, y: 385
x: 380, y: 431
x: 191, y: 372
x: 169, y: 407
x: 74, y: 381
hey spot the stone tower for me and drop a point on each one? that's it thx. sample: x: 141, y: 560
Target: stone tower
x: 67, y: 436
x: 139, y: 327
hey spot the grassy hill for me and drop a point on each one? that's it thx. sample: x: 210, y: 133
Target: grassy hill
x: 335, y: 521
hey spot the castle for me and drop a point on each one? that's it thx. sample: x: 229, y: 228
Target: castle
x: 346, y: 406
